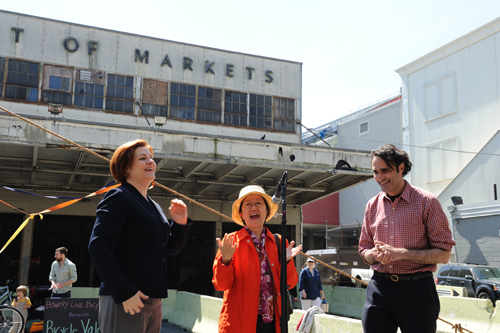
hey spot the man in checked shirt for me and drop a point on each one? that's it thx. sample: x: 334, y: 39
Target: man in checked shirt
x: 405, y: 234
x: 62, y: 274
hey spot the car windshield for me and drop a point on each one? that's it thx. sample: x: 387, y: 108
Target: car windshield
x: 491, y: 273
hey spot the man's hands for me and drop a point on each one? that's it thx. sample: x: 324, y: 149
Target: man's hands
x: 384, y: 254
x: 134, y: 304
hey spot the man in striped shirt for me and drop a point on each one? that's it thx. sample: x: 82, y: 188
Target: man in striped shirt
x: 405, y: 234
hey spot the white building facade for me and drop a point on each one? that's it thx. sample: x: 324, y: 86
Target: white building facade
x: 451, y: 120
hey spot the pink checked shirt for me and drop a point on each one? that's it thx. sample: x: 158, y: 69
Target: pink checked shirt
x: 414, y: 221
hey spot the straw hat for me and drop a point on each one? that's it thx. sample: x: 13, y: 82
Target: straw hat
x: 253, y: 189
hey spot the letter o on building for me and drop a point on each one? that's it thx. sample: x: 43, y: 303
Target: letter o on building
x: 67, y: 43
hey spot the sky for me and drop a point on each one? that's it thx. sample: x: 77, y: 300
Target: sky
x: 349, y: 49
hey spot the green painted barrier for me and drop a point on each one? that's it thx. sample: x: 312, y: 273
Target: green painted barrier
x: 345, y: 301
x: 198, y: 313
x: 168, y: 304
x: 80, y: 292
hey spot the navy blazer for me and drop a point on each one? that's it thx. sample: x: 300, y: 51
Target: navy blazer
x: 129, y: 244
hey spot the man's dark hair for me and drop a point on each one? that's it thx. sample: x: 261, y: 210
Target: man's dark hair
x: 393, y: 157
x: 62, y: 250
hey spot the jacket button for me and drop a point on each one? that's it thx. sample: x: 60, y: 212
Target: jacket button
x: 164, y: 229
x: 162, y: 243
x: 162, y: 259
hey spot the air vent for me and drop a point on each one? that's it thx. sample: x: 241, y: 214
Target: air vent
x: 85, y: 75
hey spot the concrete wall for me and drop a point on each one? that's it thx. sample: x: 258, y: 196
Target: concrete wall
x: 476, y: 230
x: 197, y: 313
x: 477, y: 240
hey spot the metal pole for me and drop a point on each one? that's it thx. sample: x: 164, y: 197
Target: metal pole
x: 326, y: 234
x: 283, y: 282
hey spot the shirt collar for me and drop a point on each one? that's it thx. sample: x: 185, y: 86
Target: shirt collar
x: 406, y: 195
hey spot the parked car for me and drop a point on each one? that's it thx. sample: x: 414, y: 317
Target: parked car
x: 364, y: 274
x: 481, y: 281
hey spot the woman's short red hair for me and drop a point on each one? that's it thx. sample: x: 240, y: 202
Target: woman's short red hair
x: 123, y: 158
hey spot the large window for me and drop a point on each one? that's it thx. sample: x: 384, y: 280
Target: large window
x: 182, y: 101
x: 284, y: 115
x: 57, y: 85
x: 260, y: 111
x: 120, y: 93
x: 89, y: 90
x: 209, y: 105
x: 154, y: 98
x: 235, y: 108
x: 22, y: 80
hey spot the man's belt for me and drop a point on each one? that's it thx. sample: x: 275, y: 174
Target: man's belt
x: 404, y: 277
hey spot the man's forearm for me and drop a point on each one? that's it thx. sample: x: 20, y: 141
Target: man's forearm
x: 428, y: 256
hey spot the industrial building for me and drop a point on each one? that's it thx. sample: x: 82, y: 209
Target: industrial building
x: 217, y: 120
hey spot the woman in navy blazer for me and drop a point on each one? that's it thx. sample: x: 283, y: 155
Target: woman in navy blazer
x: 130, y: 241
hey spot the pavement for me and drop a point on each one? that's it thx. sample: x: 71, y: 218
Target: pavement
x: 167, y: 328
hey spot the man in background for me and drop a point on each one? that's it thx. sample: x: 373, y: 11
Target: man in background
x: 62, y: 274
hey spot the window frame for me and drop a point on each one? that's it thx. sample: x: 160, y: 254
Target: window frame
x: 32, y: 90
x: 111, y: 92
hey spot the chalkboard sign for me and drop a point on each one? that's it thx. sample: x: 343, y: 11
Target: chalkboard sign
x: 71, y: 315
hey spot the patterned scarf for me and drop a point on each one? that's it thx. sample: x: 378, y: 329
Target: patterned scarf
x: 266, y: 303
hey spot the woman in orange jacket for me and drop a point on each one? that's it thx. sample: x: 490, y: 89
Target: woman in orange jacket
x: 247, y: 268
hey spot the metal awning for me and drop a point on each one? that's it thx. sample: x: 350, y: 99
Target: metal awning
x: 201, y: 167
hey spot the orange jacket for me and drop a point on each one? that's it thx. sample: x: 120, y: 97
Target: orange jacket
x: 240, y: 281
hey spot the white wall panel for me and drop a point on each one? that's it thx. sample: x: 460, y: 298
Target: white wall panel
x: 483, y: 70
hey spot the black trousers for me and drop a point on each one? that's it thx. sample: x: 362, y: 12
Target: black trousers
x: 413, y: 306
x: 63, y: 295
x: 263, y: 327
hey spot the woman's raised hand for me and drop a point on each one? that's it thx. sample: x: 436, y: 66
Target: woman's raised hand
x: 227, y: 247
x: 292, y: 251
x: 178, y: 211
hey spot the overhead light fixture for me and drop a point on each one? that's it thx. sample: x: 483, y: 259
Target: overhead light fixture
x: 457, y: 200
x: 160, y: 121
x: 55, y: 108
